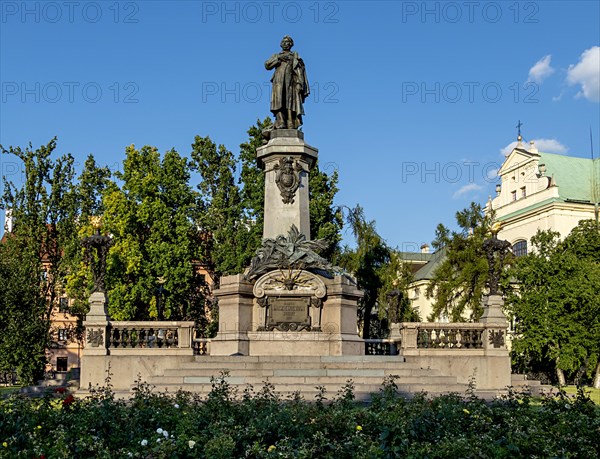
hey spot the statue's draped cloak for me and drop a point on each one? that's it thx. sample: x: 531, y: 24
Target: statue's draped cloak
x: 290, y: 84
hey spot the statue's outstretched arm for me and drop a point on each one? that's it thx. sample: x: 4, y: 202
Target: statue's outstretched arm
x: 272, y: 62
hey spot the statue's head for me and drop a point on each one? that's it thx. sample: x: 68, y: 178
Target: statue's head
x: 287, y: 43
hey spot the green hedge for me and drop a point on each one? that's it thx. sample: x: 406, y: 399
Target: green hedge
x: 262, y: 425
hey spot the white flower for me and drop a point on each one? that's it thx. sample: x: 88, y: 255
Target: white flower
x: 191, y: 444
x: 144, y: 442
x: 158, y: 440
x: 129, y: 454
x: 159, y: 431
x: 176, y: 405
x: 165, y: 434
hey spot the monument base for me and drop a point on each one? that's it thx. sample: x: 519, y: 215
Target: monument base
x: 304, y: 344
x: 241, y: 318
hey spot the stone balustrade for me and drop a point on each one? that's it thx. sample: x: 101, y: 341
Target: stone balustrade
x: 448, y: 336
x: 149, y: 335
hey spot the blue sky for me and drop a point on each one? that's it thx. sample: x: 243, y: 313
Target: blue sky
x: 412, y: 102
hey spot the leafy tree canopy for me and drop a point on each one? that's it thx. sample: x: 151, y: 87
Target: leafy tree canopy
x: 556, y: 305
x: 459, y: 282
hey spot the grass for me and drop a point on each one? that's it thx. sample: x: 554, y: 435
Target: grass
x: 7, y: 390
x: 593, y: 393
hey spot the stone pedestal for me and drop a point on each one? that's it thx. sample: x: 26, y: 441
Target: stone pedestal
x: 279, y: 216
x: 494, y: 335
x: 236, y: 303
x: 241, y: 320
x: 96, y: 326
x: 287, y: 311
x: 492, y: 310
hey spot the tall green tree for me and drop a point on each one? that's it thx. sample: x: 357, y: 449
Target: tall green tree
x: 393, y: 301
x: 222, y: 220
x: 252, y: 188
x: 90, y: 186
x: 44, y: 208
x: 556, y: 307
x: 459, y: 282
x: 367, y: 262
x: 151, y: 215
x: 326, y: 219
x: 24, y: 334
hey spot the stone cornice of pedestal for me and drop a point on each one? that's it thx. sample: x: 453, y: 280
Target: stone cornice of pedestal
x: 98, y: 313
x: 492, y: 310
x: 234, y: 285
x: 287, y: 146
x: 343, y: 285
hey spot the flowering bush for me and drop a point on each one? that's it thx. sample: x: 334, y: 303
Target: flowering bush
x: 262, y: 425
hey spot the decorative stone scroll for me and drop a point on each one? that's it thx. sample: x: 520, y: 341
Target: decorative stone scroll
x: 297, y: 281
x: 288, y: 178
x: 292, y: 300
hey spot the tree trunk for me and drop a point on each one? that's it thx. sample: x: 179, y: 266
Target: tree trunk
x: 367, y: 322
x: 581, y: 372
x: 561, y: 377
x: 597, y: 377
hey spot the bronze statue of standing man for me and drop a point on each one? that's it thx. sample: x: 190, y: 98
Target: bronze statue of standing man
x: 290, y: 86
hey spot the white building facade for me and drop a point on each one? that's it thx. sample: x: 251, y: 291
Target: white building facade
x: 543, y: 191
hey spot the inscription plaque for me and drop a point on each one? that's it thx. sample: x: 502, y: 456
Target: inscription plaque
x: 287, y: 313
x: 290, y: 309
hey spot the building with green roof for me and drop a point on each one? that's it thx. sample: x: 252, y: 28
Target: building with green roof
x: 538, y: 191
x: 544, y: 191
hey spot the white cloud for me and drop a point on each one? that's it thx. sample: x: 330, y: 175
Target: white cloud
x: 541, y: 69
x: 466, y: 189
x: 550, y: 146
x: 558, y: 98
x: 508, y: 149
x: 544, y: 145
x: 587, y: 74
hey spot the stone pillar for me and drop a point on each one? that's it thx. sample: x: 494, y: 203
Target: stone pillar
x: 492, y: 310
x: 495, y: 372
x: 339, y: 317
x: 405, y: 333
x: 96, y: 325
x: 236, y: 301
x: 279, y: 215
x: 494, y: 335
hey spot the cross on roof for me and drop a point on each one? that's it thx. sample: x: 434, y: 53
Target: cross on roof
x: 519, y: 128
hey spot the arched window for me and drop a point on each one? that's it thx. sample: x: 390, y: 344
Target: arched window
x: 520, y: 248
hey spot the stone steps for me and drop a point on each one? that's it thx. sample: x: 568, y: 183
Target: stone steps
x: 291, y: 380
x: 520, y: 383
x: 309, y: 392
x: 302, y: 374
x: 219, y: 365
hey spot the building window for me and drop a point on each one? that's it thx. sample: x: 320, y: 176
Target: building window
x: 520, y: 248
x: 417, y: 293
x: 523, y: 192
x: 61, y: 364
x: 513, y: 195
x: 63, y: 305
x: 63, y: 334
